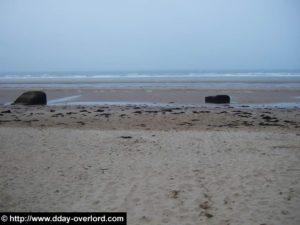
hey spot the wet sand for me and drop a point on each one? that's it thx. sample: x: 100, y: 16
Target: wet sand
x: 176, y: 95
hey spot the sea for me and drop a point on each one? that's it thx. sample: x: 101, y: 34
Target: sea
x: 149, y: 79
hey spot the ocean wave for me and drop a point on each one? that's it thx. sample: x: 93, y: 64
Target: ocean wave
x: 153, y: 85
x: 40, y: 77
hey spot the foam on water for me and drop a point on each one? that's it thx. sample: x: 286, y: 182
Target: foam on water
x: 151, y: 84
x: 58, y: 77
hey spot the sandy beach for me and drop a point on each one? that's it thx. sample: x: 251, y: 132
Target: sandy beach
x: 161, y: 165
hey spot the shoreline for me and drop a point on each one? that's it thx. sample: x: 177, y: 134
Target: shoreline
x: 238, y: 84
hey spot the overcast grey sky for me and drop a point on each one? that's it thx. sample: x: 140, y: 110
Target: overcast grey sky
x: 55, y: 35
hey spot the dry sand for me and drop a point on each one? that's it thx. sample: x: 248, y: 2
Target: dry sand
x: 160, y: 165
